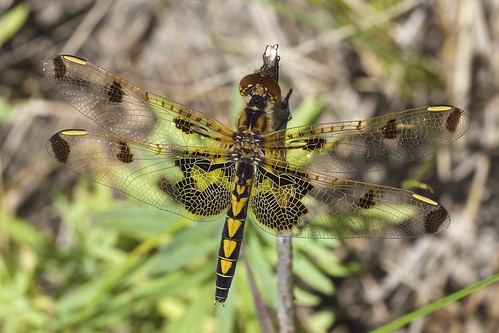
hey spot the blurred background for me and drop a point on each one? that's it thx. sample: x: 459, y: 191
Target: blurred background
x: 78, y: 257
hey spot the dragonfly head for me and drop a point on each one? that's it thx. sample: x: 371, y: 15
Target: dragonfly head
x: 256, y: 85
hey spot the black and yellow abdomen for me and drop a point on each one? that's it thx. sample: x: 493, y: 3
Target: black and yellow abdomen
x: 233, y: 230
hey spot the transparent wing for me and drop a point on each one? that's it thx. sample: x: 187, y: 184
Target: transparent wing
x: 192, y: 183
x: 373, y: 144
x: 128, y: 111
x: 298, y: 203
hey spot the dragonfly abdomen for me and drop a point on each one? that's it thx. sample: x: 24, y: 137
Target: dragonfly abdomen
x: 233, y: 230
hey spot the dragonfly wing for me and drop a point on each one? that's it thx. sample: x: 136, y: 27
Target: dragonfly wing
x: 128, y: 111
x: 186, y: 183
x: 374, y: 144
x: 298, y: 203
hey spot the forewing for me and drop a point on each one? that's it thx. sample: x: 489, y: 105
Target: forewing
x: 195, y: 185
x: 373, y: 144
x: 298, y: 203
x: 128, y: 111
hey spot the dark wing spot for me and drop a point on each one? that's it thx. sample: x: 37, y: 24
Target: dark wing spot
x: 210, y: 201
x: 166, y: 185
x: 315, y: 143
x: 59, y: 68
x: 115, y: 92
x: 60, y: 147
x: 297, y: 180
x: 277, y: 214
x: 276, y: 210
x: 434, y: 219
x: 183, y: 125
x: 366, y: 201
x: 452, y: 121
x: 390, y: 129
x: 124, y: 155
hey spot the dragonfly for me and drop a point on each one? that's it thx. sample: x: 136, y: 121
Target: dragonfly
x: 183, y: 161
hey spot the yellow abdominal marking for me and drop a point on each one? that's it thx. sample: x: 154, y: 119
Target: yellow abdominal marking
x: 229, y: 247
x: 240, y: 189
x: 225, y: 265
x: 233, y: 226
x: 238, y: 205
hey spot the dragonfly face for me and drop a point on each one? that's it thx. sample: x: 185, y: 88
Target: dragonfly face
x: 182, y: 161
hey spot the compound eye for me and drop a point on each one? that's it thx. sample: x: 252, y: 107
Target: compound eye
x: 272, y: 88
x: 248, y: 82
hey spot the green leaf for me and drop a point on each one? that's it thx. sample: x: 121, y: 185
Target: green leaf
x: 192, y: 319
x: 262, y: 269
x: 320, y: 251
x: 308, y: 112
x: 400, y: 322
x: 13, y: 21
x: 314, y: 277
x: 5, y: 110
x: 24, y: 233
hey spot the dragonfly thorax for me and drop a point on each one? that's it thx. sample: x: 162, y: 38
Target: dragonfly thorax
x: 254, y: 117
x: 259, y: 94
x: 247, y: 145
